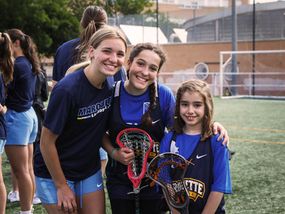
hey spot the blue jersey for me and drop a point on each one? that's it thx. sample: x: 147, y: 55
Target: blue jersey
x: 127, y: 111
x: 78, y: 114
x: 209, y: 170
x: 65, y: 58
x: 21, y: 90
x: 3, y: 133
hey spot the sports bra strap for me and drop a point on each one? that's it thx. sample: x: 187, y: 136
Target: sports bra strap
x: 117, y: 88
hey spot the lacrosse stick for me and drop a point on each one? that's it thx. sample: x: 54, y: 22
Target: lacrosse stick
x: 141, y: 143
x: 168, y: 170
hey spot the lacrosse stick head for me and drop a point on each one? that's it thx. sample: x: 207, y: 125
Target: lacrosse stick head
x: 141, y: 143
x: 168, y: 170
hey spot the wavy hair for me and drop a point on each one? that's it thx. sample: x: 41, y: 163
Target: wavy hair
x: 6, y: 58
x: 203, y: 89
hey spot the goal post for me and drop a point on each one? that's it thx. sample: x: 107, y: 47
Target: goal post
x: 259, y: 74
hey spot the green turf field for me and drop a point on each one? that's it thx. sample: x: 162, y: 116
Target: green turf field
x: 257, y: 132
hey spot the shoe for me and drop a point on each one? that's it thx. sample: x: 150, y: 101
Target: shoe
x: 13, y: 196
x: 36, y: 200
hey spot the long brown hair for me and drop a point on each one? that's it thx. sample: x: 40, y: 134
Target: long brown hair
x: 203, y: 89
x: 93, y: 18
x: 137, y: 49
x: 6, y: 58
x: 28, y: 46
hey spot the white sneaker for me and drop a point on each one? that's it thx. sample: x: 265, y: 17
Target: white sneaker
x: 13, y: 196
x: 36, y: 200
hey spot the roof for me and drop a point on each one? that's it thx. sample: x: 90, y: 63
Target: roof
x: 181, y: 33
x: 138, y: 34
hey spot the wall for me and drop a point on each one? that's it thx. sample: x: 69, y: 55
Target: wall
x: 185, y: 56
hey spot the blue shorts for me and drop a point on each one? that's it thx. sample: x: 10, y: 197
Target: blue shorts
x: 47, y: 192
x: 2, y: 144
x: 103, y: 154
x: 22, y: 127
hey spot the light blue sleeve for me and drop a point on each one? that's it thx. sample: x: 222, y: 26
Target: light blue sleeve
x: 221, y: 168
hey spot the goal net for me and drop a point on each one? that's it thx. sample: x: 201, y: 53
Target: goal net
x: 258, y: 74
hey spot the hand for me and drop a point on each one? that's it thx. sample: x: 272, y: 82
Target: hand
x: 124, y: 155
x: 223, y: 134
x: 66, y: 200
x: 3, y: 109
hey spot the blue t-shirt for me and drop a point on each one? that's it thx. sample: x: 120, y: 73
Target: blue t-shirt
x: 185, y: 146
x: 21, y: 90
x: 133, y: 107
x: 78, y: 114
x: 127, y: 111
x: 65, y: 58
x: 2, y: 101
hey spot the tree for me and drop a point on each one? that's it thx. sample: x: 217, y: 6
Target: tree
x: 48, y: 22
x: 131, y: 7
x: 77, y: 6
x: 125, y: 7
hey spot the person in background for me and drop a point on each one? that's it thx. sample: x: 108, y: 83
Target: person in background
x: 193, y: 138
x: 41, y: 95
x: 6, y: 76
x: 74, y: 51
x: 21, y: 119
x: 67, y: 167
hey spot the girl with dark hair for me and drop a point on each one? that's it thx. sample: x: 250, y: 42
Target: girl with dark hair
x: 6, y: 75
x: 21, y: 120
x: 138, y: 102
x: 144, y: 103
x: 207, y: 178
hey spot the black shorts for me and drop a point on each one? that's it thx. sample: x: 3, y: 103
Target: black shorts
x: 153, y: 206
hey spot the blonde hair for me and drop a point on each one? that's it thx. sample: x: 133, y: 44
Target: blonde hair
x: 93, y: 18
x: 107, y: 32
x: 77, y: 66
x: 104, y: 33
x: 203, y: 89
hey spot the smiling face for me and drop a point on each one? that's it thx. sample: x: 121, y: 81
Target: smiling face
x: 192, y: 111
x: 108, y: 57
x: 143, y: 71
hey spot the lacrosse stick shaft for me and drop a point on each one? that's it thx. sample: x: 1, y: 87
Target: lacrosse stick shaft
x: 137, y: 203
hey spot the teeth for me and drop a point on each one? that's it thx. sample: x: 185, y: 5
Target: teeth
x: 190, y: 118
x: 112, y: 67
x: 142, y: 79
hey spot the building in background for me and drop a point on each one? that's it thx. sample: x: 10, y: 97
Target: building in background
x: 269, y: 24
